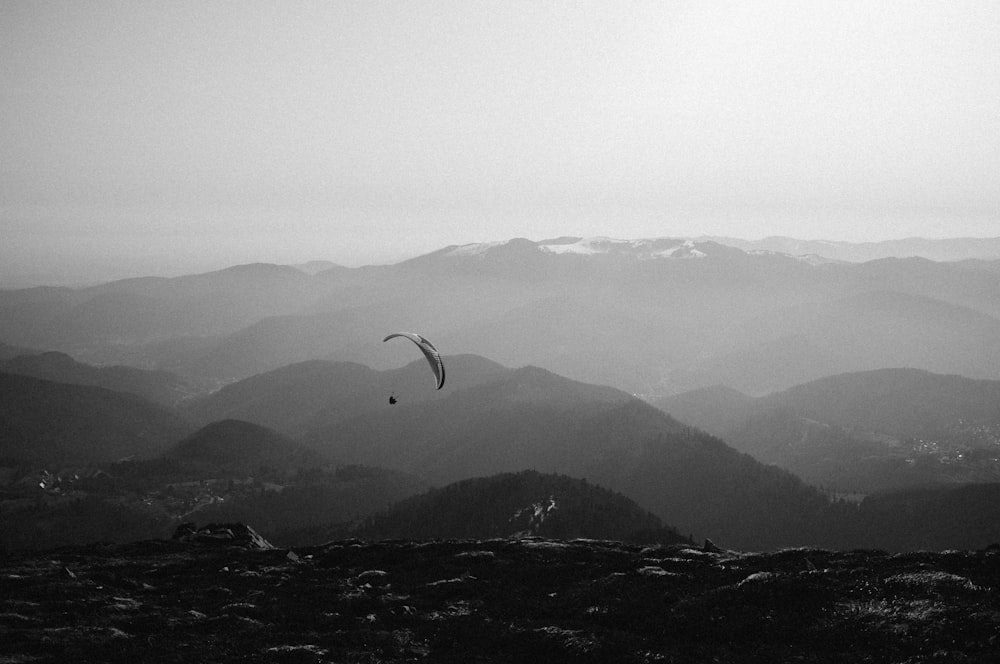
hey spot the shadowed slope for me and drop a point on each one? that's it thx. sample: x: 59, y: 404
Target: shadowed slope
x: 518, y: 504
x: 312, y: 394
x: 57, y: 424
x: 533, y: 419
x: 159, y: 387
x: 241, y: 447
x: 862, y: 432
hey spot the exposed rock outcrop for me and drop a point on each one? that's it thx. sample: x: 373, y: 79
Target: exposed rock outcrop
x: 229, y: 534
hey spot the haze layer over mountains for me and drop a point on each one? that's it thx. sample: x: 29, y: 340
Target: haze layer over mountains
x: 734, y: 393
x: 654, y: 317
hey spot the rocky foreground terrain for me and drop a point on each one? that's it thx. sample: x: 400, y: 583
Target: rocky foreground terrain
x: 512, y: 600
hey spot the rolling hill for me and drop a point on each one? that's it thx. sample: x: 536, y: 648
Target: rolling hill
x: 315, y: 393
x: 530, y: 418
x: 133, y: 312
x: 160, y: 387
x: 905, y: 403
x: 233, y: 447
x: 57, y: 424
x: 871, y: 330
x: 518, y: 505
x: 864, y: 431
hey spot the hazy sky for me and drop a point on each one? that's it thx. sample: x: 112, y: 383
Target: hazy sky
x: 161, y: 137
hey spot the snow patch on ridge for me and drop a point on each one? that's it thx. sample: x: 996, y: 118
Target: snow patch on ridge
x: 662, y: 248
x: 583, y: 246
x: 685, y: 249
x: 475, y: 249
x: 809, y: 259
x: 642, y: 249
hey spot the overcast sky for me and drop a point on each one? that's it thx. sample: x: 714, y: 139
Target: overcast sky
x: 161, y: 137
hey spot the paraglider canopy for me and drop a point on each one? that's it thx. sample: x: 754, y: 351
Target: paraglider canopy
x: 429, y: 351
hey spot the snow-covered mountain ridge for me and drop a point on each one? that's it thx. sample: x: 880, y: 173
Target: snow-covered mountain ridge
x: 642, y: 249
x: 652, y: 248
x: 811, y: 251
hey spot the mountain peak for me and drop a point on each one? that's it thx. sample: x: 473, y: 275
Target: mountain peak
x: 226, y: 438
x: 519, y: 504
x: 640, y: 249
x: 239, y: 445
x: 643, y: 249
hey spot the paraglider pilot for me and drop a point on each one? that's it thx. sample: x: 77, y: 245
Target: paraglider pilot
x: 429, y: 351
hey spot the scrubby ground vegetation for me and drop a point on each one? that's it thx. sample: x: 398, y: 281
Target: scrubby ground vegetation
x: 499, y: 600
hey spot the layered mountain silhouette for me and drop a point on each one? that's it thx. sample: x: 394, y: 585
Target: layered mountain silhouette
x: 906, y: 403
x: 530, y: 418
x: 287, y: 398
x: 233, y: 447
x: 309, y: 394
x: 655, y: 316
x: 875, y: 329
x: 518, y: 505
x: 295, y: 505
x: 490, y: 420
x: 951, y: 249
x: 864, y: 431
x: 141, y: 310
x: 55, y: 424
x: 160, y: 387
x: 298, y: 351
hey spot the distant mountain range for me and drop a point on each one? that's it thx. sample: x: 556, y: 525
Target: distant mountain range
x: 656, y: 316
x: 858, y: 377
x: 865, y: 432
x: 530, y: 418
x: 309, y: 394
x: 489, y: 421
x: 8, y: 352
x: 950, y: 249
x: 149, y: 309
x: 160, y: 387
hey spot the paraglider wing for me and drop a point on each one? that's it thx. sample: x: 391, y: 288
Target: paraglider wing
x: 429, y: 351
